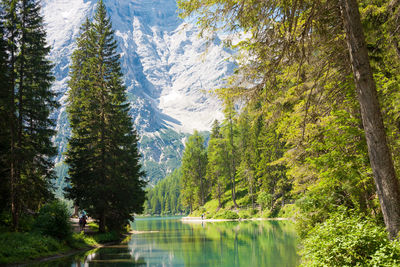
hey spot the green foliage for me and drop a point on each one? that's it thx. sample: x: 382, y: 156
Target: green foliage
x: 198, y: 212
x: 26, y: 102
x: 245, y: 214
x: 107, y: 237
x: 241, y: 159
x: 290, y: 211
x: 20, y: 247
x: 54, y: 220
x: 165, y: 197
x: 264, y: 199
x: 195, y: 186
x: 300, y: 133
x: 226, y: 214
x: 348, y: 240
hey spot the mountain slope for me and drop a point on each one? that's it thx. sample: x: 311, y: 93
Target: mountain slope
x: 166, y: 72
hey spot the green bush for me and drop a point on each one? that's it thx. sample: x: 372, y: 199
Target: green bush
x: 226, y: 214
x: 288, y: 211
x: 264, y: 199
x: 253, y: 212
x: 210, y: 214
x: 345, y: 240
x: 54, y: 220
x: 245, y: 214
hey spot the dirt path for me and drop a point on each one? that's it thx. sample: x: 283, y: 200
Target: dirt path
x: 76, y: 228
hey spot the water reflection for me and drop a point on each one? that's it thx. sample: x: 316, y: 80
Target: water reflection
x: 169, y: 242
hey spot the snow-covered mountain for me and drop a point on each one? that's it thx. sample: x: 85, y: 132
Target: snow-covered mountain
x: 167, y: 73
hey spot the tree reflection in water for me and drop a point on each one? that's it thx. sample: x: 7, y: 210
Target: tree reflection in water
x: 169, y: 242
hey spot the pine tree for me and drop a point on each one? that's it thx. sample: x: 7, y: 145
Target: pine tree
x: 218, y: 162
x: 247, y: 145
x: 229, y: 132
x: 104, y: 169
x: 36, y: 103
x: 29, y: 104
x: 194, y: 161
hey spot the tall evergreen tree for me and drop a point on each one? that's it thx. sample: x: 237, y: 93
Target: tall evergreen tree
x: 29, y: 104
x: 247, y: 145
x: 105, y: 173
x: 229, y: 132
x: 35, y: 104
x: 4, y: 129
x: 194, y: 161
x: 218, y: 163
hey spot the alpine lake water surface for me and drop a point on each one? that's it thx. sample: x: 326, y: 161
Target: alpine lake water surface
x: 168, y: 241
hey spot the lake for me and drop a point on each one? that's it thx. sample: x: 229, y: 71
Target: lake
x: 161, y: 241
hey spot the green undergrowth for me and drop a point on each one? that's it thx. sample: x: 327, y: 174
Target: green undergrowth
x: 20, y: 247
x: 228, y: 211
x: 225, y: 209
x: 94, y: 240
x: 226, y: 214
x: 349, y: 240
x: 25, y: 247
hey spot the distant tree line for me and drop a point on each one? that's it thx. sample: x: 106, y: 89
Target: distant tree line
x: 237, y: 168
x: 165, y: 197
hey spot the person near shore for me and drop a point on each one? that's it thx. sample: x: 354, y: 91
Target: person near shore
x: 82, y: 221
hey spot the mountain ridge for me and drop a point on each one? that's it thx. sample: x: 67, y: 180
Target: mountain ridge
x: 166, y: 73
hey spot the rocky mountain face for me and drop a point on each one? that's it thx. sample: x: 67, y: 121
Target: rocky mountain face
x: 167, y: 74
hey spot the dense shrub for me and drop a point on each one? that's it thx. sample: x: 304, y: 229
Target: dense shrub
x: 288, y: 211
x: 349, y: 241
x: 264, y: 200
x: 54, y: 220
x: 210, y: 214
x: 245, y: 214
x: 226, y: 214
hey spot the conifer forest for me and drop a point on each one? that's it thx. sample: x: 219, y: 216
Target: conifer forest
x: 310, y: 134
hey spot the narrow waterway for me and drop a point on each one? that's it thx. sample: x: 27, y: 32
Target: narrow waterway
x: 171, y: 242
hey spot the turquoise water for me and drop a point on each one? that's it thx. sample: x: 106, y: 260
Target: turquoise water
x: 171, y: 242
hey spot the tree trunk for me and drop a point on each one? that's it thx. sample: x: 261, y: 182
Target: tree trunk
x: 233, y: 164
x: 199, y: 165
x: 219, y: 196
x: 386, y: 182
x: 102, y: 223
x: 76, y: 211
x: 13, y: 132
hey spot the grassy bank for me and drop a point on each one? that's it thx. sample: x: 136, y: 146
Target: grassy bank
x: 49, y: 233
x: 227, y: 211
x: 25, y: 247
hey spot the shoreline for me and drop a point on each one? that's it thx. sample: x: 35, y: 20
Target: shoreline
x: 53, y: 257
x: 199, y: 219
x: 63, y: 254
